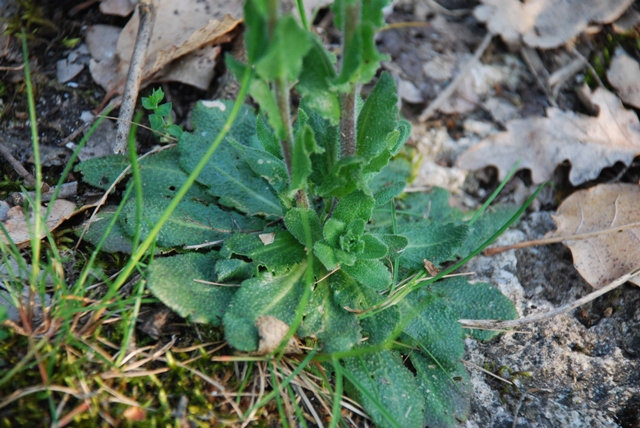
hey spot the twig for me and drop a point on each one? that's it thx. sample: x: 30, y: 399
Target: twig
x: 487, y: 372
x: 556, y: 239
x: 16, y: 68
x: 66, y: 190
x: 449, y: 91
x: 17, y: 166
x: 540, y: 73
x: 134, y: 77
x: 406, y: 24
x: 492, y: 324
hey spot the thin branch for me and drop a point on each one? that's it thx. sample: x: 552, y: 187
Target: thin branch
x: 557, y: 239
x: 17, y: 166
x: 134, y: 77
x: 492, y: 324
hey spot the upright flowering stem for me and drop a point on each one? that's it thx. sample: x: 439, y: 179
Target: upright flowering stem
x: 281, y: 90
x: 348, y: 129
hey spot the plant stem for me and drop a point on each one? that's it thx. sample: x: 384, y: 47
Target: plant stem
x: 348, y: 122
x: 281, y: 90
x: 282, y: 97
x: 348, y: 132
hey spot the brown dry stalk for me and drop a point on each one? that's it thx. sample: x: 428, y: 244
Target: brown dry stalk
x: 492, y: 324
x: 134, y: 77
x: 557, y: 239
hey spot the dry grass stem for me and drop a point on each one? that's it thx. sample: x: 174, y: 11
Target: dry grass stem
x: 490, y: 324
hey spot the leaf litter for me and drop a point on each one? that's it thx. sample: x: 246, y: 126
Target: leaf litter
x: 603, y: 258
x: 546, y: 23
x: 183, y: 47
x: 542, y: 143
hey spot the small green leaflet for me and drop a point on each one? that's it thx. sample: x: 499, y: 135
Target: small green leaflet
x: 384, y: 376
x: 172, y: 280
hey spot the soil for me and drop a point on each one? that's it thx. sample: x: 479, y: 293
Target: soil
x: 579, y: 369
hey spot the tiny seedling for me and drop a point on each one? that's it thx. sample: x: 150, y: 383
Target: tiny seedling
x: 303, y: 209
x: 161, y: 120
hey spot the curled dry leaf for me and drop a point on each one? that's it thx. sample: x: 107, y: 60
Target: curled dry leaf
x: 183, y: 44
x: 271, y: 331
x: 624, y: 75
x: 542, y: 143
x: 546, y: 23
x: 606, y: 257
x: 18, y: 229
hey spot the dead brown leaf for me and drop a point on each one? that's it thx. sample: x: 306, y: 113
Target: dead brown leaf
x: 624, y: 75
x: 546, y: 23
x: 271, y: 331
x: 183, y: 47
x: 134, y: 413
x: 604, y: 258
x: 541, y: 143
x: 18, y: 229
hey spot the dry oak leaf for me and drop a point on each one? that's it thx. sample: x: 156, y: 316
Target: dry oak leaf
x: 18, y: 229
x: 541, y: 143
x: 184, y: 44
x: 624, y: 75
x: 271, y: 331
x: 546, y: 23
x: 608, y: 256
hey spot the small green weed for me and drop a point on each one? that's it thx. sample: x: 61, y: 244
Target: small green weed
x: 301, y: 213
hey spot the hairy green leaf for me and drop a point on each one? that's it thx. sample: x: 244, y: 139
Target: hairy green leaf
x: 117, y: 241
x: 351, y: 295
x: 280, y: 253
x: 267, y: 138
x: 344, y: 177
x: 277, y: 296
x: 255, y: 18
x: 296, y: 220
x: 161, y: 175
x: 227, y: 175
x: 434, y: 326
x: 235, y: 270
x: 356, y: 205
x: 432, y: 241
x: 172, y: 280
x: 192, y: 222
x: 445, y: 393
x: 283, y: 56
x: 338, y: 329
x: 102, y: 172
x: 374, y: 248
x: 268, y: 167
x: 378, y: 118
x: 304, y: 146
x: 475, y: 301
x: 315, y: 82
x: 488, y: 223
x: 394, y: 387
x: 372, y: 273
